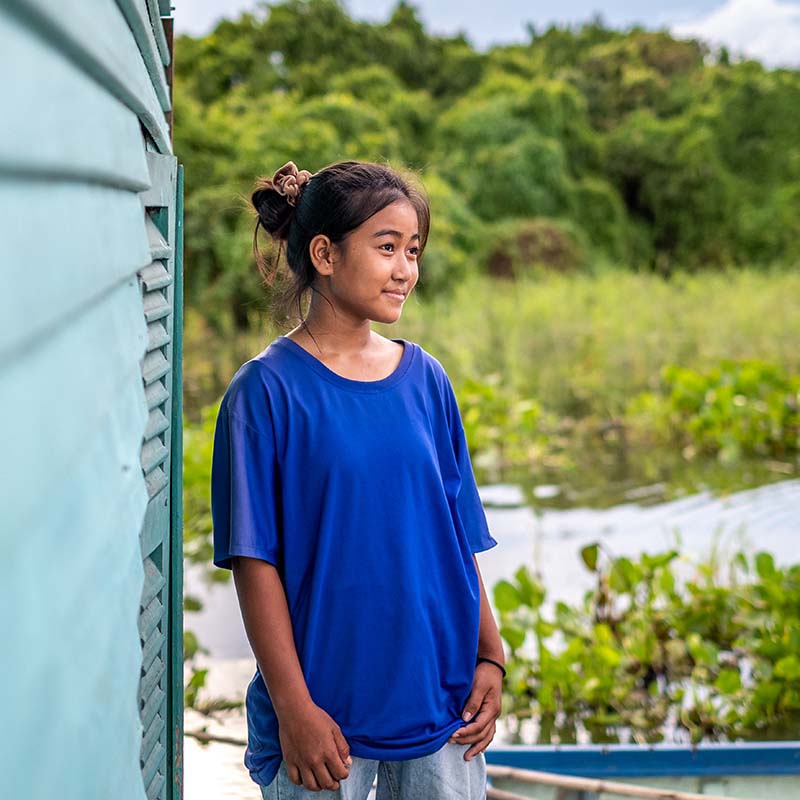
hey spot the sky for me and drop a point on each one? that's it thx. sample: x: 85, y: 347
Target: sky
x: 768, y: 30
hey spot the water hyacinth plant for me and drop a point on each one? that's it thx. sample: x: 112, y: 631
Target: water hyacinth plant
x: 738, y: 407
x: 657, y: 650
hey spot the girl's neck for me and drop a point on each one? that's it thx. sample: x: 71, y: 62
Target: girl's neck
x: 329, y: 339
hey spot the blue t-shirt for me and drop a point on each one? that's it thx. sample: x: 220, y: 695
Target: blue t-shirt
x: 362, y: 495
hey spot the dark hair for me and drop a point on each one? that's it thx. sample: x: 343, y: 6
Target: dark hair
x: 335, y: 201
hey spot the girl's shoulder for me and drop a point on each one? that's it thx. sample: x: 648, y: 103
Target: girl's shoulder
x: 251, y: 392
x: 434, y: 367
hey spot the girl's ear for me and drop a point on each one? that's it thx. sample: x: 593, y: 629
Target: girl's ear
x: 322, y: 251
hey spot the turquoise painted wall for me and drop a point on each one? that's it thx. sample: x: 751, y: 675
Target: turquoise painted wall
x: 84, y: 100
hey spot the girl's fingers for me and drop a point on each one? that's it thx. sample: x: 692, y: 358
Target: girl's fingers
x: 478, y: 724
x: 309, y: 781
x: 486, y: 715
x: 478, y: 747
x: 471, y: 733
x: 343, y: 747
x: 475, y: 750
x: 294, y: 774
x: 324, y: 778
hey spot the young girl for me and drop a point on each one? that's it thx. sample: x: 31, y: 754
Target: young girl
x: 344, y: 501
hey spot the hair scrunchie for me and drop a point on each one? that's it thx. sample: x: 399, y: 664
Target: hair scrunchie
x: 289, y: 181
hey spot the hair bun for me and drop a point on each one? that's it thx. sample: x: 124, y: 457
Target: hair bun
x: 275, y: 198
x: 289, y: 181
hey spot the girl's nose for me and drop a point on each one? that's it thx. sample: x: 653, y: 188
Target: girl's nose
x: 408, y: 265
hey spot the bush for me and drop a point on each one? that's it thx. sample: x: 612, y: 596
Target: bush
x: 704, y: 658
x: 518, y: 246
x: 744, y: 407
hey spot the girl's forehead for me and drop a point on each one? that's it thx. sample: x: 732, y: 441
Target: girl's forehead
x: 398, y: 216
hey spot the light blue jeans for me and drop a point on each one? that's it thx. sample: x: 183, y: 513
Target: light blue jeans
x: 443, y: 775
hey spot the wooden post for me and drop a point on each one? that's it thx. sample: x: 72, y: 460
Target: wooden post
x: 585, y: 785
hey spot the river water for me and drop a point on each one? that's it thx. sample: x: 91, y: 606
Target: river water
x: 546, y: 539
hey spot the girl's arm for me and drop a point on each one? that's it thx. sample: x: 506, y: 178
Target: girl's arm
x: 316, y: 753
x: 490, y: 645
x: 485, y: 700
x: 268, y: 625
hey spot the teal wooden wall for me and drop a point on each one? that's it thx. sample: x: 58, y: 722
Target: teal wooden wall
x: 90, y: 243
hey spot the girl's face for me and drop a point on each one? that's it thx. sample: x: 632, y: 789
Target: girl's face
x: 376, y: 266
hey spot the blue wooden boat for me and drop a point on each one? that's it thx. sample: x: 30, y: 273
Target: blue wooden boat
x: 752, y: 770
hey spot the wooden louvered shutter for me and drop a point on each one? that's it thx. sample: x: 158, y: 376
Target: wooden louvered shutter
x: 160, y: 689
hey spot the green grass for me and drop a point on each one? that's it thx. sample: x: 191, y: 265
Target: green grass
x: 585, y: 344
x: 580, y: 345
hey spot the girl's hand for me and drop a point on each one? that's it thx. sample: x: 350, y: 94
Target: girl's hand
x: 316, y: 753
x: 483, y: 706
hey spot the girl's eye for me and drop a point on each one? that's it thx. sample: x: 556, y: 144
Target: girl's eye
x: 414, y: 250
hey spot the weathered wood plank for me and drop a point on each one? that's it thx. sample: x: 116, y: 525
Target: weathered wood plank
x: 94, y: 34
x: 158, y: 30
x: 72, y: 413
x: 60, y: 122
x: 94, y: 239
x: 137, y: 15
x: 587, y: 785
x: 56, y: 394
x: 175, y: 711
x: 163, y: 172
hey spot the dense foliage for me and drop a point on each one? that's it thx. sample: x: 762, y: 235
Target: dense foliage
x: 746, y: 406
x: 580, y: 145
x: 651, y: 654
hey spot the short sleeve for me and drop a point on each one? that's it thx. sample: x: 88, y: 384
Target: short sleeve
x: 244, y: 492
x: 468, y: 501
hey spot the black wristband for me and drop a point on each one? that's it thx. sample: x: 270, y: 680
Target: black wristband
x: 491, y: 661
